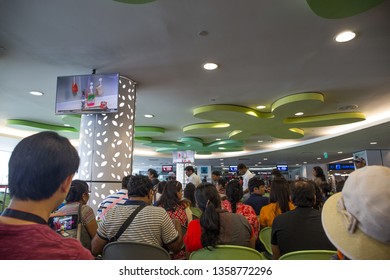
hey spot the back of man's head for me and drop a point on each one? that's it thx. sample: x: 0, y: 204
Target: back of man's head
x: 153, y: 172
x: 216, y: 173
x: 255, y: 183
x: 139, y: 186
x: 125, y: 181
x: 241, y: 166
x: 304, y: 194
x: 39, y: 164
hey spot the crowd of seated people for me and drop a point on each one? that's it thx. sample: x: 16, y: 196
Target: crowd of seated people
x: 291, y: 211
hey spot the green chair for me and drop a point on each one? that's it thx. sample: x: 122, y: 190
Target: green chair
x: 309, y: 255
x: 226, y: 252
x: 265, y: 239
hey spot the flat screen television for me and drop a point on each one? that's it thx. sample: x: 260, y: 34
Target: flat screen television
x: 167, y: 168
x: 282, y: 167
x: 233, y: 168
x: 85, y: 94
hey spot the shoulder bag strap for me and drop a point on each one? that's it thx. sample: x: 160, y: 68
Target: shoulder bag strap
x: 126, y: 224
x: 79, y: 223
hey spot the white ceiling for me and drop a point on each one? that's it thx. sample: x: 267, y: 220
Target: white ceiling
x: 266, y: 50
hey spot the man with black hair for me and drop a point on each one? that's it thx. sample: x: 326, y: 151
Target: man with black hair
x: 41, y: 169
x: 191, y: 176
x: 120, y: 197
x: 215, y: 176
x: 246, y: 175
x: 301, y: 228
x: 257, y: 190
x: 151, y: 225
x: 153, y: 176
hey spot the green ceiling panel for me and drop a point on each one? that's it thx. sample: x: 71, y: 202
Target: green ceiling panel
x: 206, y: 128
x: 148, y: 131
x: 326, y: 120
x: 336, y: 9
x: 25, y: 124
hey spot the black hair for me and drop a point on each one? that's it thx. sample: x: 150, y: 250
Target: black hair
x: 303, y: 193
x: 234, y: 193
x: 189, y: 193
x: 76, y: 191
x: 39, y: 164
x: 139, y: 185
x: 169, y: 199
x: 160, y: 186
x: 153, y: 172
x: 319, y: 173
x: 255, y: 182
x: 222, y: 182
x: 241, y: 166
x: 280, y: 194
x: 189, y: 168
x: 209, y: 202
x: 216, y: 173
x: 125, y: 181
x: 326, y: 189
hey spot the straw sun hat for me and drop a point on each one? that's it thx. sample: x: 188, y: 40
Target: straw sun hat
x: 357, y: 220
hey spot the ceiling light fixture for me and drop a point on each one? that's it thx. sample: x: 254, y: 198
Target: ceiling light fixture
x: 210, y: 66
x: 261, y: 107
x: 298, y: 114
x: 345, y: 36
x: 373, y: 143
x: 339, y: 152
x: 149, y: 116
x: 218, y: 139
x: 36, y: 93
x: 260, y: 141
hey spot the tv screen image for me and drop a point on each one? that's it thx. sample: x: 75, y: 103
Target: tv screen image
x: 232, y: 168
x: 167, y: 168
x: 84, y: 94
x: 282, y: 167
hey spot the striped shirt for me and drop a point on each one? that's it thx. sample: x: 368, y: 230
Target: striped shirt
x: 119, y: 197
x: 152, y: 225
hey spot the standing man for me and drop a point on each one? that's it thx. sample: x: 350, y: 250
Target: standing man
x: 246, y: 175
x: 191, y: 176
x: 153, y: 176
x: 41, y: 170
x: 215, y: 176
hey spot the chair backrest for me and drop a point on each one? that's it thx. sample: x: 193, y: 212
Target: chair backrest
x: 125, y: 250
x: 309, y: 255
x: 226, y: 252
x: 265, y: 238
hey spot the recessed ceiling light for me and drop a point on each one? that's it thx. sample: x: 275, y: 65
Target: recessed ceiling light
x: 221, y: 159
x: 36, y: 93
x: 210, y: 66
x: 66, y: 124
x: 373, y: 143
x: 218, y: 139
x: 265, y: 158
x: 339, y: 152
x: 149, y: 116
x: 304, y: 162
x: 298, y: 114
x: 345, y: 36
x: 260, y: 107
x: 221, y: 148
x: 318, y: 158
x: 260, y: 141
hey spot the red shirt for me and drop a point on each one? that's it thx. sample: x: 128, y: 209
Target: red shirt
x: 38, y: 242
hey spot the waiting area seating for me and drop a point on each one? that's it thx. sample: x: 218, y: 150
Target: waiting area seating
x: 265, y: 239
x: 309, y: 255
x: 121, y: 250
x: 226, y: 252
